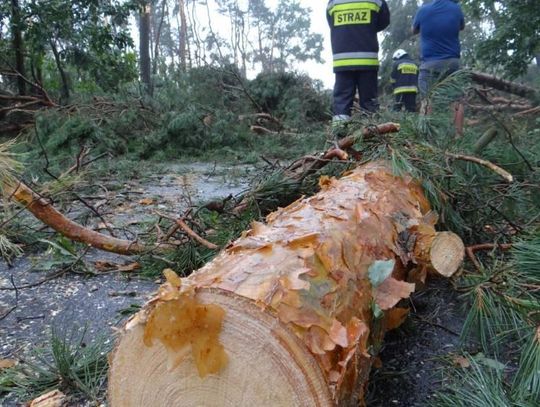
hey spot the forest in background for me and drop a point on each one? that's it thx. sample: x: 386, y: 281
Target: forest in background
x: 100, y: 90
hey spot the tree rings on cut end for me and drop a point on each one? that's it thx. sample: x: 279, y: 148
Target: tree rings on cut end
x: 446, y: 253
x: 267, y: 365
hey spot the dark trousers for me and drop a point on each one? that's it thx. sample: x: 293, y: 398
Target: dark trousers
x: 347, y: 82
x: 407, y: 100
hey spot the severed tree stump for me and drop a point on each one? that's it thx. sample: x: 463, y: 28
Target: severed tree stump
x: 293, y: 312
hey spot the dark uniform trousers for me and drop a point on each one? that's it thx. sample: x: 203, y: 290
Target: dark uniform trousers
x: 347, y: 82
x: 405, y: 100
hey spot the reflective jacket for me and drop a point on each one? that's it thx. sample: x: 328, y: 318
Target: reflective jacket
x: 354, y: 26
x: 405, y: 76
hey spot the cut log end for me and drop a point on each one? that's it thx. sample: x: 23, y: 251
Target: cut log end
x: 267, y: 365
x: 447, y: 253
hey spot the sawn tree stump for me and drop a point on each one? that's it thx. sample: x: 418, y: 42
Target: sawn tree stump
x: 293, y: 312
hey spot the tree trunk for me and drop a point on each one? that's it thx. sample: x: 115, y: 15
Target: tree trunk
x: 63, y: 75
x: 157, y: 37
x: 18, y: 47
x: 182, y: 31
x: 144, y: 46
x: 292, y: 313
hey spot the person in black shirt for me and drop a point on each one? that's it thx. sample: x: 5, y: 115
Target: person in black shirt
x: 405, y: 81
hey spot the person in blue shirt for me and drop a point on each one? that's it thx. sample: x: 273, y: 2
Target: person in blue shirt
x: 438, y: 24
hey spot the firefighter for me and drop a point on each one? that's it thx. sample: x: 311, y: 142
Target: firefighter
x: 353, y: 27
x: 404, y: 81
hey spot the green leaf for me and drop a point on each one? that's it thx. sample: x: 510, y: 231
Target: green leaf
x: 379, y: 271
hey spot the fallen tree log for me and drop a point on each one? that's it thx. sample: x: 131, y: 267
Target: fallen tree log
x: 504, y: 85
x: 293, y: 312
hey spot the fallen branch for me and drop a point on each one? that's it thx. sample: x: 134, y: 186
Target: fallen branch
x: 470, y: 250
x: 191, y: 233
x: 338, y: 150
x: 20, y: 106
x: 259, y: 117
x: 500, y: 107
x: 47, y: 99
x: 263, y: 130
x: 496, y: 169
x: 534, y: 110
x: 368, y: 133
x: 504, y: 85
x: 45, y: 212
x: 485, y: 140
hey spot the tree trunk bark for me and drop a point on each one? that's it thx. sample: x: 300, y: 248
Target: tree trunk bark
x: 182, y: 34
x: 18, y: 47
x: 293, y: 312
x: 157, y: 37
x: 144, y: 46
x: 63, y: 75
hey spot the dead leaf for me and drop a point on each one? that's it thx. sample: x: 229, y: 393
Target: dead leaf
x: 54, y: 398
x: 146, y: 201
x: 7, y: 363
x: 104, y: 265
x: 391, y: 291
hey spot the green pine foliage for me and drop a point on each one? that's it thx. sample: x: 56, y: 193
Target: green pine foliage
x: 68, y: 363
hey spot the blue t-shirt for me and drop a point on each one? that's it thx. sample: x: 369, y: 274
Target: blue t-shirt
x: 439, y: 23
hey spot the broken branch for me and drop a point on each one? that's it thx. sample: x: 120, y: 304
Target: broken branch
x: 191, y: 233
x: 504, y: 85
x: 470, y: 250
x: 45, y: 212
x: 496, y: 169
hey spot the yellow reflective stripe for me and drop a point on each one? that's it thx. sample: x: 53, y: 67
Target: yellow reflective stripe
x: 356, y: 62
x: 355, y: 6
x: 405, y: 89
x: 407, y: 66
